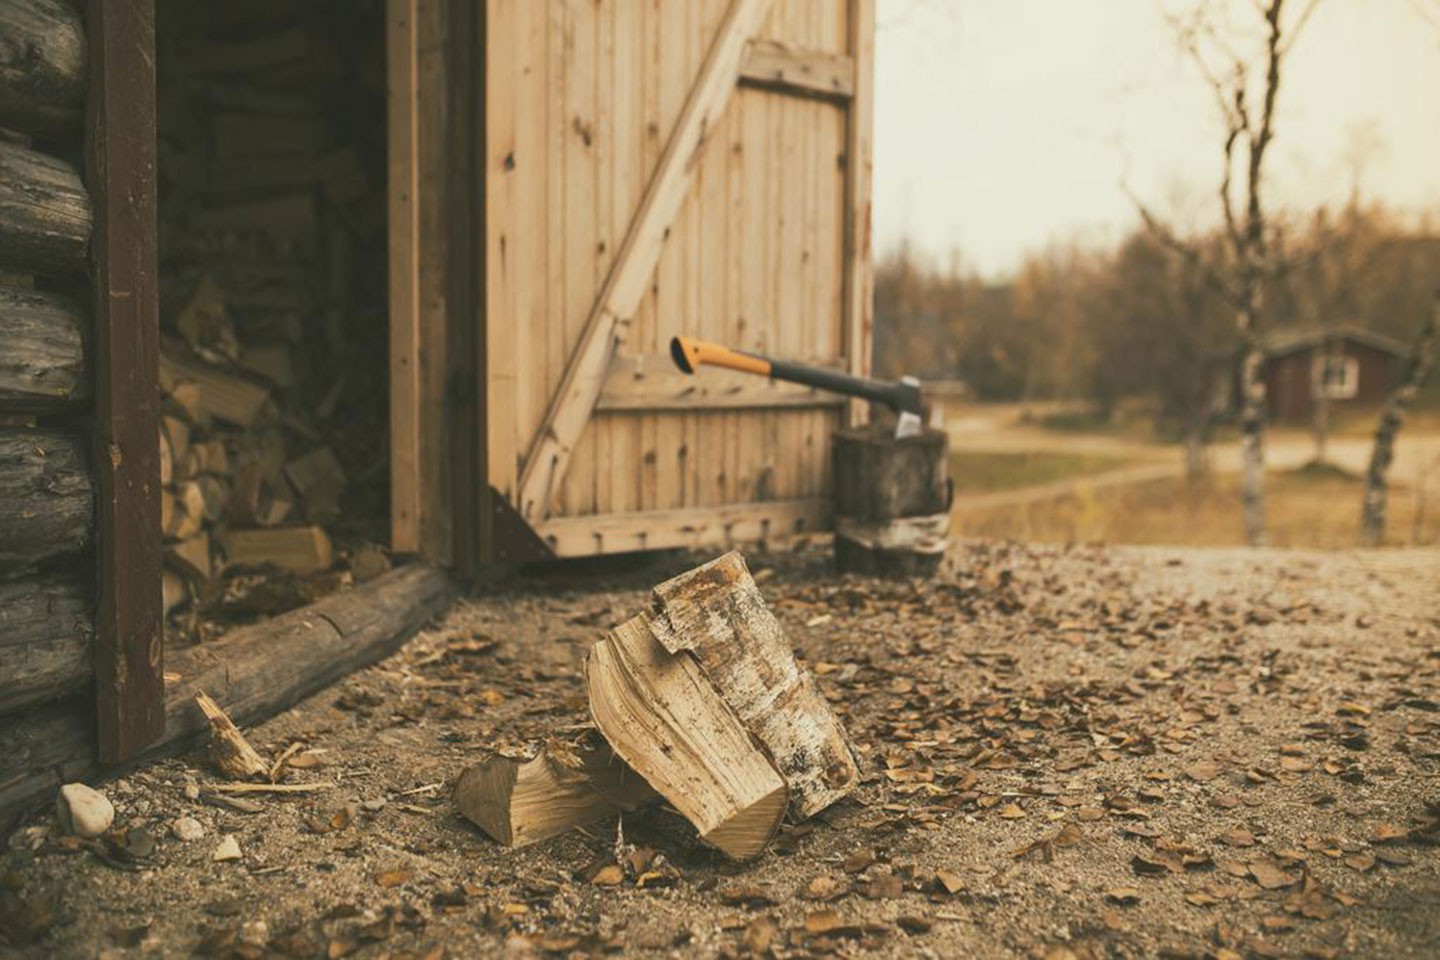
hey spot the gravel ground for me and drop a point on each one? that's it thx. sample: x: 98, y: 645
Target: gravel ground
x: 1068, y: 752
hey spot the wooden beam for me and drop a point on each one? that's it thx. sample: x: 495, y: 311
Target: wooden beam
x: 629, y: 275
x: 120, y: 173
x: 858, y: 309
x: 651, y: 383
x: 253, y: 673
x: 402, y: 117
x: 807, y: 73
x: 690, y: 528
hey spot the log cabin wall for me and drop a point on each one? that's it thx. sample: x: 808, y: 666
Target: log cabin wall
x: 47, y: 498
x: 79, y: 563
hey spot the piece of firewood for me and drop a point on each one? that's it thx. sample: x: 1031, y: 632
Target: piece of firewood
x: 300, y: 549
x: 229, y: 749
x: 222, y: 395
x: 172, y: 590
x: 566, y: 785
x: 717, y: 613
x: 191, y: 557
x: 664, y: 718
x: 188, y: 511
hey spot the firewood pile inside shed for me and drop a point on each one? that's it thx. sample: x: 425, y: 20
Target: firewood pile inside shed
x: 273, y: 304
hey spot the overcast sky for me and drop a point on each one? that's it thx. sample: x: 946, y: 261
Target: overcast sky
x: 1004, y: 125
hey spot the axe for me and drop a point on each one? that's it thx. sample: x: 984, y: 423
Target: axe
x: 902, y: 396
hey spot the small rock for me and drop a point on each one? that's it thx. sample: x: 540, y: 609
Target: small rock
x: 83, y: 811
x: 187, y: 829
x: 229, y: 849
x: 255, y: 933
x: 192, y: 790
x: 373, y: 806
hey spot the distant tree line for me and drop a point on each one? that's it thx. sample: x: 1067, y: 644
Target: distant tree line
x: 1095, y: 324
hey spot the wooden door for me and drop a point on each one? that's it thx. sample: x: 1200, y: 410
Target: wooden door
x: 647, y: 169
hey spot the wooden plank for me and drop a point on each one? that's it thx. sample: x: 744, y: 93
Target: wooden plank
x: 652, y: 383
x: 403, y: 147
x: 120, y: 169
x: 685, y: 527
x: 634, y: 263
x: 858, y: 304
x: 772, y: 65
x: 43, y: 366
x: 252, y: 673
x: 42, y: 67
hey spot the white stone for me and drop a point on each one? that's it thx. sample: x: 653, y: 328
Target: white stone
x: 83, y: 811
x: 229, y: 849
x: 187, y: 829
x: 255, y: 933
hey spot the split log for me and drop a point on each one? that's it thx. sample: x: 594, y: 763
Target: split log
x: 42, y: 67
x: 47, y: 629
x: 46, y: 502
x: 253, y: 673
x: 717, y: 613
x: 45, y: 214
x: 222, y: 395
x: 300, y: 549
x: 665, y: 719
x: 42, y: 365
x: 566, y: 785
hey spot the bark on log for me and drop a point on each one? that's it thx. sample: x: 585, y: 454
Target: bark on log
x: 1392, y: 418
x: 42, y: 67
x: 47, y: 628
x: 45, y: 213
x: 717, y: 613
x: 252, y: 673
x: 46, y: 502
x: 892, y: 501
x: 42, y: 366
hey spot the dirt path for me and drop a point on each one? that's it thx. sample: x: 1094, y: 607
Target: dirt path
x: 1068, y: 753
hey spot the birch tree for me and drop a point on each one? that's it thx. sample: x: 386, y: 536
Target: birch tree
x: 1392, y: 418
x: 1246, y: 92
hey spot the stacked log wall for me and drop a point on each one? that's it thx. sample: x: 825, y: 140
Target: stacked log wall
x: 47, y: 501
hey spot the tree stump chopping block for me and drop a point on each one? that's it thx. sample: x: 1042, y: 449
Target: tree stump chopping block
x: 892, y: 501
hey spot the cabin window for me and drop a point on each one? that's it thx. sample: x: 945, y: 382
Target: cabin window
x: 1335, y: 377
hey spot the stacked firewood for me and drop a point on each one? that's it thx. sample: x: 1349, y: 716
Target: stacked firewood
x: 273, y: 303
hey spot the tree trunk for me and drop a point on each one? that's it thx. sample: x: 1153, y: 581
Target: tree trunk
x: 1427, y: 345
x: 46, y: 500
x: 1252, y: 443
x: 42, y: 67
x: 1197, y: 437
x: 42, y: 366
x: 45, y: 213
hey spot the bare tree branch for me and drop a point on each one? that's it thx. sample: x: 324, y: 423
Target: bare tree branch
x: 1188, y: 252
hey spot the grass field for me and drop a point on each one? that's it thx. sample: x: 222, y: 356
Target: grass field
x: 1306, y: 508
x: 988, y: 472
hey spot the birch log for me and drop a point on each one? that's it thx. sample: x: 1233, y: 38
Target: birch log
x: 664, y: 718
x: 1392, y: 418
x: 716, y: 613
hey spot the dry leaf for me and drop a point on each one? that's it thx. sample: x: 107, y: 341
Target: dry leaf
x: 393, y: 878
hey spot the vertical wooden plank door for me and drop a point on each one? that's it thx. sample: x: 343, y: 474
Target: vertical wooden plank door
x: 655, y: 169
